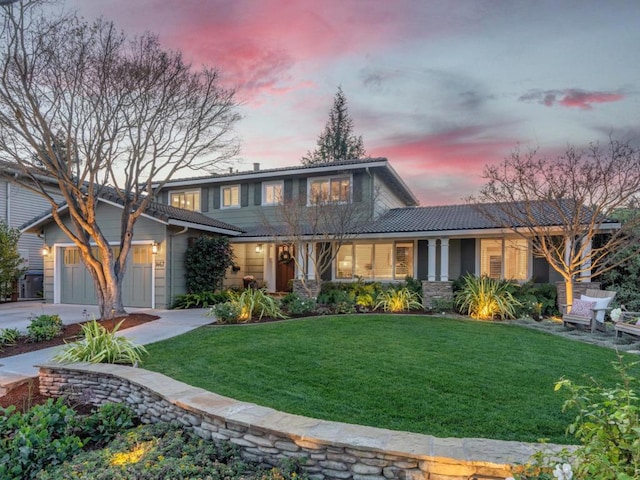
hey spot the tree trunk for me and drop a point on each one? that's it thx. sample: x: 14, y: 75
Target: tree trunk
x: 568, y: 286
x: 109, y: 297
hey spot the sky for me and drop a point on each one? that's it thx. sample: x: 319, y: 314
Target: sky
x: 441, y: 88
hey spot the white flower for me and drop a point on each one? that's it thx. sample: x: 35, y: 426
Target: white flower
x: 509, y: 478
x: 563, y: 472
x: 615, y: 314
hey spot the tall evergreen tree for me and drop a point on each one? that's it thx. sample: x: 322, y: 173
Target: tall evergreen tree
x: 337, y: 142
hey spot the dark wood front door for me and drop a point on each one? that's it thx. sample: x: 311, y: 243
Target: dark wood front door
x: 285, y: 267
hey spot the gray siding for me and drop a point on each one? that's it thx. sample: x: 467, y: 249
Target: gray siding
x: 385, y: 198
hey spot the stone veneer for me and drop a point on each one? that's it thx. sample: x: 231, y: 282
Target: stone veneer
x: 332, y: 450
x: 312, y: 285
x: 579, y: 288
x: 436, y: 291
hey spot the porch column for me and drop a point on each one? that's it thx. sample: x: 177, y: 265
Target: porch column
x: 585, y: 274
x: 444, y: 259
x: 431, y: 270
x: 310, y: 264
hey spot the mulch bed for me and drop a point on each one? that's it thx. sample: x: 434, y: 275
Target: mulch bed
x: 28, y: 394
x: 71, y: 333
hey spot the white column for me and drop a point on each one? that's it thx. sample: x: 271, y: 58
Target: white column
x: 585, y: 274
x: 444, y: 259
x: 431, y: 271
x: 311, y: 266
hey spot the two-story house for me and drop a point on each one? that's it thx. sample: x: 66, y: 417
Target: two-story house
x: 433, y: 244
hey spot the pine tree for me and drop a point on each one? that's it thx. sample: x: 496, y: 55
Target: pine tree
x: 337, y: 142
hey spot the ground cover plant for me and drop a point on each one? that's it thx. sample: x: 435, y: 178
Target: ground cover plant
x: 438, y: 376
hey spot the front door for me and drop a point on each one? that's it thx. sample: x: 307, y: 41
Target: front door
x: 285, y: 267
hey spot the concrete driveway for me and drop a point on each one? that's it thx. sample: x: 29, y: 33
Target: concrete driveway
x: 18, y: 314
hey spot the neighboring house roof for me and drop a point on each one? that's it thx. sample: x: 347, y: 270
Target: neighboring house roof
x: 381, y: 166
x: 163, y: 213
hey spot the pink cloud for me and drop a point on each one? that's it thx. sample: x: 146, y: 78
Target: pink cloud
x: 571, y: 97
x: 445, y: 167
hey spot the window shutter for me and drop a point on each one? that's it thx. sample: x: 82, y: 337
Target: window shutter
x: 244, y: 195
x: 216, y: 197
x: 302, y: 191
x: 288, y: 190
x: 204, y: 199
x: 257, y: 193
x: 357, y: 186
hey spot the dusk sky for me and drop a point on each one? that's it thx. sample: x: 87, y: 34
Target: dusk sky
x: 439, y: 87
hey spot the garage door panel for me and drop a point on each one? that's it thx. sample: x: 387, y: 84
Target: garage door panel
x: 77, y: 284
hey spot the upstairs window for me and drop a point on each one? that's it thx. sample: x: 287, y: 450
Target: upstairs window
x: 330, y: 190
x: 188, y: 200
x: 272, y: 193
x: 230, y: 196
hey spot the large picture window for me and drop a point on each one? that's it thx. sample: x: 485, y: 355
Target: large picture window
x: 330, y: 190
x: 375, y: 261
x: 189, y: 200
x: 506, y: 259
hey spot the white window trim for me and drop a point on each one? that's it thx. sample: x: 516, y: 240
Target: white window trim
x: 222, y: 189
x: 185, y: 192
x: 265, y: 185
x: 310, y: 180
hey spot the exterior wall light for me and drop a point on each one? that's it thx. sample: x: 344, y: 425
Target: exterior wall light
x: 259, y: 248
x: 45, y: 251
x: 154, y: 248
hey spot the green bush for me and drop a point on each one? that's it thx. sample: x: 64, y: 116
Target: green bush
x: 44, y: 327
x: 256, y: 303
x: 486, y: 298
x: 199, y: 300
x: 8, y: 336
x: 228, y: 312
x: 535, y: 299
x: 439, y: 305
x: 100, y: 345
x: 414, y: 285
x: 106, y: 422
x: 44, y: 436
x: 296, y: 305
x: 398, y: 300
x: 206, y: 262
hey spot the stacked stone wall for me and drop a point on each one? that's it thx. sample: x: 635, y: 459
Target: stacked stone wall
x: 438, y: 291
x: 579, y: 288
x: 328, y: 450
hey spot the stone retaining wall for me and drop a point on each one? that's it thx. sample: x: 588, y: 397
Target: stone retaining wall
x: 331, y: 450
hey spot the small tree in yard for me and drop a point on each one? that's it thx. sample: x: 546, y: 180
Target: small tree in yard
x: 93, y: 113
x: 206, y: 261
x: 337, y: 142
x: 563, y: 204
x: 10, y: 260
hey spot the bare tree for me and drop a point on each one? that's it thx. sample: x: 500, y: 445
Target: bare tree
x: 95, y: 113
x: 563, y: 204
x: 317, y: 227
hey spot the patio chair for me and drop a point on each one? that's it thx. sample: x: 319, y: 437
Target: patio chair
x: 628, y: 323
x: 589, y: 309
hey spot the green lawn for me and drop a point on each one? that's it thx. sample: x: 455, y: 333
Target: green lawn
x: 444, y: 377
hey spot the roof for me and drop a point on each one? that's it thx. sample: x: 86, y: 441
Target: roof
x: 380, y: 164
x: 445, y: 218
x: 166, y: 214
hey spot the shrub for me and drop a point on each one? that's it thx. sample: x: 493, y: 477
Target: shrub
x: 8, y: 336
x: 199, y: 300
x: 441, y: 305
x: 100, y: 345
x: 296, y: 305
x: 486, y: 298
x: 398, y: 300
x: 536, y: 299
x: 206, y: 262
x: 106, y: 422
x: 44, y: 327
x: 256, y: 303
x: 228, y: 312
x: 44, y: 436
x: 414, y: 285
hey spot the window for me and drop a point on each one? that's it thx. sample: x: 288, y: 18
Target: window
x: 504, y: 258
x: 377, y: 261
x: 330, y: 190
x: 189, y: 200
x: 230, y: 196
x: 272, y: 193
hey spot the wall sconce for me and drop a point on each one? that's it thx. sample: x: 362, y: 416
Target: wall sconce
x: 259, y: 248
x: 45, y: 250
x: 154, y: 248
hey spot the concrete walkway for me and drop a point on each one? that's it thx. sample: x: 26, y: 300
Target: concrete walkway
x: 20, y: 368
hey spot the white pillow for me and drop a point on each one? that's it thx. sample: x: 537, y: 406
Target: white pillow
x: 601, y: 303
